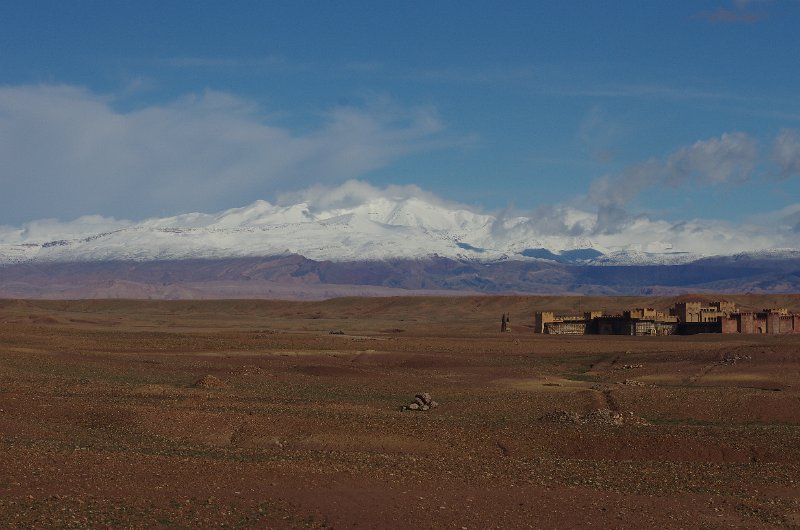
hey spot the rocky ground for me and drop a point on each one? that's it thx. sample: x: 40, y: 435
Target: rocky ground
x: 254, y: 415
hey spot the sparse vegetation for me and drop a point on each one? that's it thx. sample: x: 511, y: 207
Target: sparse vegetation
x: 191, y: 415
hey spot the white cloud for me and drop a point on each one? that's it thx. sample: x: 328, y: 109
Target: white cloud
x: 786, y: 153
x: 66, y: 151
x: 730, y: 158
x: 53, y: 229
x: 787, y: 219
x: 617, y: 190
x: 565, y: 227
x: 700, y: 236
x: 355, y: 192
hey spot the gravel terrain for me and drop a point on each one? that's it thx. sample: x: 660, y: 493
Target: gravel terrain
x: 247, y: 414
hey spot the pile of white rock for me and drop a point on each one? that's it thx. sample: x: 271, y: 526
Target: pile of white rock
x: 422, y: 401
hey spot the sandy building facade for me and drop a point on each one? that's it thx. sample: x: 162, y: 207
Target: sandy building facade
x: 684, y: 318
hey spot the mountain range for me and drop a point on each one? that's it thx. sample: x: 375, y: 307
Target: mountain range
x: 380, y: 245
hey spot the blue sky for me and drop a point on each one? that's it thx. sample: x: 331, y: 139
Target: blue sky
x: 673, y: 110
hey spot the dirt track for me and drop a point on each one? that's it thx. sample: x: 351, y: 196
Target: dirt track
x: 103, y: 421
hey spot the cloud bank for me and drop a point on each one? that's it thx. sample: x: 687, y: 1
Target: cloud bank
x: 732, y: 158
x: 786, y: 153
x: 68, y: 151
x: 353, y: 193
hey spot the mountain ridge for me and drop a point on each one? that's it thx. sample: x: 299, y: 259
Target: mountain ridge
x: 376, y: 229
x: 296, y: 277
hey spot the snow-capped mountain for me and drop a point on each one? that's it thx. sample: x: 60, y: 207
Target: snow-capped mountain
x: 375, y: 228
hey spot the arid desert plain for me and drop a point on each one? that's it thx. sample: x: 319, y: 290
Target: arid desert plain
x: 272, y: 414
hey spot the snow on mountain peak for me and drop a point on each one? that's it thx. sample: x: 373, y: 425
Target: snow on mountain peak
x: 359, y: 222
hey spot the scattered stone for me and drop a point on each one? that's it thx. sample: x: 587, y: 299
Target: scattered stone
x: 249, y: 369
x: 734, y: 358
x: 596, y: 417
x: 208, y: 381
x: 561, y: 416
x: 631, y: 382
x: 629, y: 366
x: 422, y: 401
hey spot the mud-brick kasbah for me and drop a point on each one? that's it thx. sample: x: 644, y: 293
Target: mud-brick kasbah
x: 684, y: 318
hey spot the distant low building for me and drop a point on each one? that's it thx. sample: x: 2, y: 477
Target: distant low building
x: 768, y: 321
x: 684, y: 318
x: 640, y: 321
x: 549, y: 322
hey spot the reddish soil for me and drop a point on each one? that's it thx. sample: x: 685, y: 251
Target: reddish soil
x: 254, y: 415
